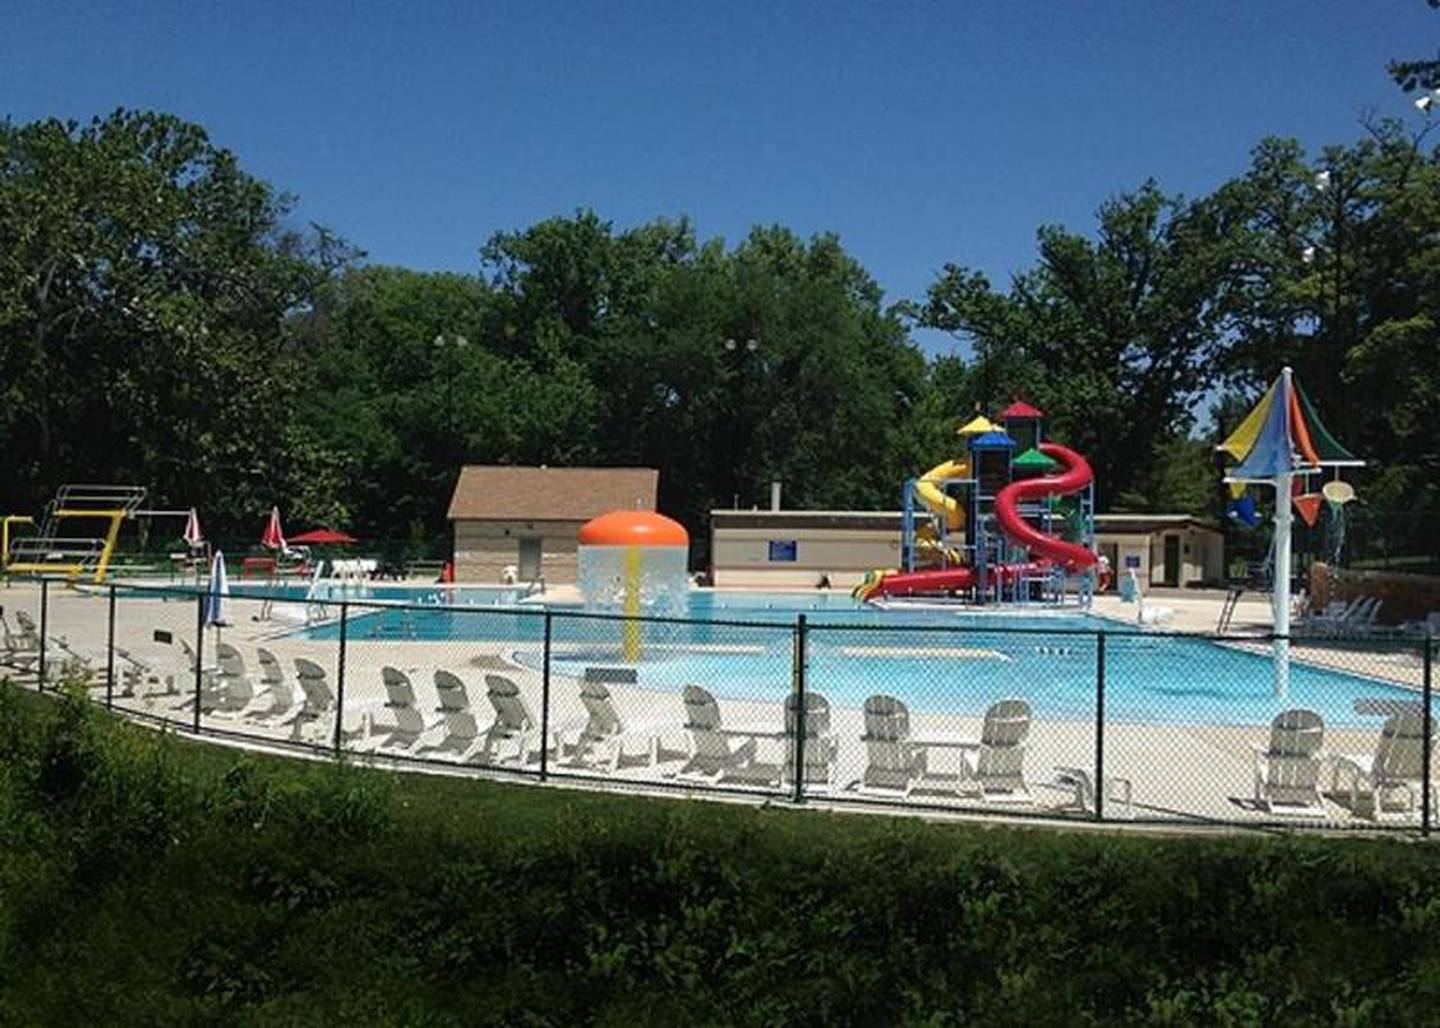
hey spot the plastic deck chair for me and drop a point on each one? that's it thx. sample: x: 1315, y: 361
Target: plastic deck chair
x: 404, y: 724
x: 318, y: 706
x: 513, y: 723
x: 274, y: 686
x: 1287, y: 769
x: 1396, y: 766
x: 712, y: 750
x: 777, y: 769
x: 606, y: 731
x: 892, y: 762
x: 994, y: 768
x: 229, y: 690
x: 457, y: 725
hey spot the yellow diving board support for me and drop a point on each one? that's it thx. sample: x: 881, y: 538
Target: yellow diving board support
x: 76, y: 569
x: 5, y: 523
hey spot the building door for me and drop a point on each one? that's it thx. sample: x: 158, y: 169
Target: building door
x: 1172, y: 560
x: 529, y: 558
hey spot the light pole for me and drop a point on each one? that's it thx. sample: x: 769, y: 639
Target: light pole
x: 450, y: 346
x: 738, y: 350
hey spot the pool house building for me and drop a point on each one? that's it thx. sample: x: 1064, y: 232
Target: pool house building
x: 526, y: 518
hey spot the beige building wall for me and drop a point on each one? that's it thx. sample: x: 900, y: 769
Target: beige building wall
x: 484, y: 548
x: 1201, y: 553
x: 741, y: 556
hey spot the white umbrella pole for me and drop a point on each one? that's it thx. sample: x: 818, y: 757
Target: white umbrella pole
x: 1280, y: 575
x: 1280, y: 590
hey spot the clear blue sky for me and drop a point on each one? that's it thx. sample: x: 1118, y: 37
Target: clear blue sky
x: 921, y: 133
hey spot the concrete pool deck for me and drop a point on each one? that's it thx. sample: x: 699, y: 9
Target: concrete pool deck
x: 1195, y: 774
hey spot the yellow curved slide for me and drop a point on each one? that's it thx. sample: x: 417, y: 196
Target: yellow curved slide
x: 931, y: 488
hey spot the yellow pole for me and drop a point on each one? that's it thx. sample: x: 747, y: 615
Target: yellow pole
x: 5, y: 523
x: 630, y: 639
x: 116, y: 516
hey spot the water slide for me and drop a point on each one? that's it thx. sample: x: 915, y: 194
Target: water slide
x: 930, y: 487
x: 1074, y: 477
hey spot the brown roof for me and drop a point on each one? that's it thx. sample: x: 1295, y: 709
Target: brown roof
x: 551, y: 494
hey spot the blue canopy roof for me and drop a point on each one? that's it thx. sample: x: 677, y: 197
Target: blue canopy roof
x: 992, y: 441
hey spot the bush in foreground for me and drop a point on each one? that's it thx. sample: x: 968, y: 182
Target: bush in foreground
x: 149, y: 879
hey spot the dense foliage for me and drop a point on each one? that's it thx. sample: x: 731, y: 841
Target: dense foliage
x: 149, y: 880
x: 162, y: 321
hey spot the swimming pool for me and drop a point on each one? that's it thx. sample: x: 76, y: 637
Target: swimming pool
x: 741, y: 646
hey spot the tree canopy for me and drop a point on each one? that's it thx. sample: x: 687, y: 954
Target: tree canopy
x: 164, y: 321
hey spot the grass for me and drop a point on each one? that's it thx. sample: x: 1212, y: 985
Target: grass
x: 148, y: 879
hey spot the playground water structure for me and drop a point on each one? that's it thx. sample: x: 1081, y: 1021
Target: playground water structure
x: 1002, y: 555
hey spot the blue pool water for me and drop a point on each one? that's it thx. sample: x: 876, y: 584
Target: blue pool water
x: 741, y: 646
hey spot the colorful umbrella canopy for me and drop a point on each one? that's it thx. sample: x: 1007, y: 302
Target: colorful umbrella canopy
x: 1283, y: 435
x: 324, y: 537
x: 273, y: 537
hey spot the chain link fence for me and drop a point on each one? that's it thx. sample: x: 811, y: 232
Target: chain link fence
x: 1072, y: 720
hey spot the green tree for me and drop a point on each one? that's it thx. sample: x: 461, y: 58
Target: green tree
x: 145, y: 281
x: 1113, y: 337
x: 1417, y: 74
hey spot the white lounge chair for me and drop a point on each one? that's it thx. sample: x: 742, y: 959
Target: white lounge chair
x: 459, y: 731
x: 774, y: 764
x: 315, y: 720
x: 228, y: 691
x: 602, y: 740
x: 276, y: 690
x: 513, y: 723
x: 1395, y: 768
x: 994, y: 767
x: 713, y: 751
x: 894, y: 762
x: 1287, y: 769
x: 402, y: 723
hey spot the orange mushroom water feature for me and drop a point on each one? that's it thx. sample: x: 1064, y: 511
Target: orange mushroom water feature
x: 634, y: 560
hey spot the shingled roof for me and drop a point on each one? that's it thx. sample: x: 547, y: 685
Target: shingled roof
x: 550, y: 494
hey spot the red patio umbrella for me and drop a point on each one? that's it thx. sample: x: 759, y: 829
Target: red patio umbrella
x: 274, y: 538
x: 324, y: 537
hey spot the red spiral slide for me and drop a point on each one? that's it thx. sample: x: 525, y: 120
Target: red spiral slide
x: 1075, y: 477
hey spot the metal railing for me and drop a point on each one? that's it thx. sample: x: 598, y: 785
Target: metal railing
x: 1068, y: 718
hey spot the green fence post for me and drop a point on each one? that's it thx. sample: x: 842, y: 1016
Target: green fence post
x: 110, y: 651
x: 801, y: 720
x: 340, y: 679
x: 1099, y: 726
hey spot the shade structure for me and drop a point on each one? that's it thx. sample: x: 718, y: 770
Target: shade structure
x: 1032, y: 459
x: 273, y: 537
x: 193, y: 538
x: 977, y: 425
x: 323, y: 537
x: 1280, y: 438
x: 1020, y: 410
x: 216, y: 591
x: 995, y: 440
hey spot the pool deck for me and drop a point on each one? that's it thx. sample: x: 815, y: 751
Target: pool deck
x: 1179, y: 774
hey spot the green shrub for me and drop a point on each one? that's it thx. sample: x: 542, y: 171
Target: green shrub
x: 147, y: 878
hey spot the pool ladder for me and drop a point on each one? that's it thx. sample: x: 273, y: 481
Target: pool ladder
x: 1227, y: 611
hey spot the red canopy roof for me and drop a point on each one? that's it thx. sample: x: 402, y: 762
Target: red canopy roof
x: 1021, y: 409
x: 322, y: 537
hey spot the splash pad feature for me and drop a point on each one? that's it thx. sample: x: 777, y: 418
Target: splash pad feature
x: 634, y: 561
